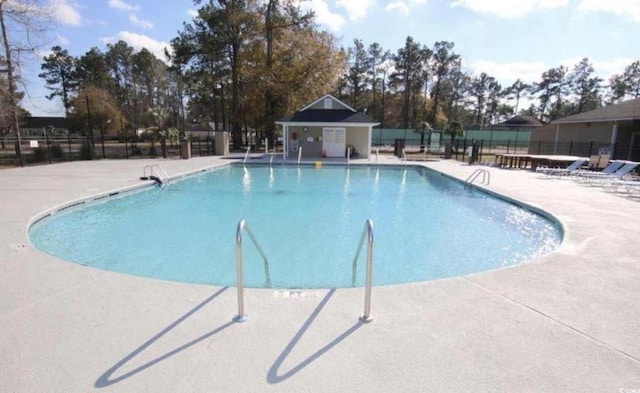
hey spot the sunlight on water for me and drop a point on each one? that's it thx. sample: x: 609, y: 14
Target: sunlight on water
x: 308, y: 220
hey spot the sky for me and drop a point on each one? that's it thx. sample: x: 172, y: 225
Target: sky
x: 507, y: 39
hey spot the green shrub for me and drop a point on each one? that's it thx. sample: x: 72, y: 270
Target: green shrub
x: 39, y: 153
x: 56, y: 151
x: 135, y: 150
x: 86, y: 151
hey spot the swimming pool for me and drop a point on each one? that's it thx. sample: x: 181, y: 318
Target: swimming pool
x: 308, y: 221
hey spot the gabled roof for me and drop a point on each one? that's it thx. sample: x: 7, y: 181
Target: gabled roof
x: 328, y: 116
x: 521, y: 121
x: 627, y: 110
x: 340, y: 103
x: 40, y: 122
x: 342, y: 113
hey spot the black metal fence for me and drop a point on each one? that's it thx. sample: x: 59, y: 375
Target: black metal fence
x: 68, y: 148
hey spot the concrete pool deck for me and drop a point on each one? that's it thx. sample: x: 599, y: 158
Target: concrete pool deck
x: 569, y: 321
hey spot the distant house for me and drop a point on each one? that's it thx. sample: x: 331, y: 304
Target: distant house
x: 36, y: 126
x: 200, y: 131
x: 614, y: 128
x: 518, y: 122
x: 326, y: 128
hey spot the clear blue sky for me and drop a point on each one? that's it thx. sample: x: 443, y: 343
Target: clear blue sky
x: 507, y: 39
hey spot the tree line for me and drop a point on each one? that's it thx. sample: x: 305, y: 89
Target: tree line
x: 242, y: 64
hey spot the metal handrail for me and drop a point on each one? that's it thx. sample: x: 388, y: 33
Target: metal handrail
x: 349, y: 155
x: 246, y: 155
x: 368, y: 233
x: 157, y: 171
x: 242, y: 226
x: 404, y: 156
x: 299, y: 154
x: 486, y: 177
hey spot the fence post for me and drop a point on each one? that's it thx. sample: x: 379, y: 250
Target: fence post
x: 481, y: 148
x: 590, y: 147
x: 508, y: 144
x: 69, y: 144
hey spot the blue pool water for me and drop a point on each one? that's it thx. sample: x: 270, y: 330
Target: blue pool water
x: 308, y: 222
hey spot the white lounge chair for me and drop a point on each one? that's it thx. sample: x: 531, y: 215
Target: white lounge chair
x: 626, y: 168
x: 563, y: 171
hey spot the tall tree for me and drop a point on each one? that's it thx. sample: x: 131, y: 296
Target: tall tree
x: 408, y: 64
x: 376, y: 57
x: 279, y: 15
x: 444, y: 61
x: 59, y: 73
x: 516, y: 91
x: 631, y: 77
x: 585, y: 87
x: 92, y: 70
x: 551, y: 91
x: 357, y: 74
x: 28, y: 16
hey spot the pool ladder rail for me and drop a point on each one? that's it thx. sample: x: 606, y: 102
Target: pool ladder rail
x: 156, y: 173
x: 243, y: 227
x: 485, y: 179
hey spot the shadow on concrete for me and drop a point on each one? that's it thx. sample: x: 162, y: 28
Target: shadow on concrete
x: 106, y: 378
x: 273, y: 377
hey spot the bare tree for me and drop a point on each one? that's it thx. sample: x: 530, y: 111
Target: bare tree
x: 25, y: 20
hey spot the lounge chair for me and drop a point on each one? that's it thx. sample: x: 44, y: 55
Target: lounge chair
x: 624, y: 170
x: 608, y: 170
x: 563, y: 171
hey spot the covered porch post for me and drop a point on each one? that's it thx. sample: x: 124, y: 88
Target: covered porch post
x: 614, y: 137
x: 555, y: 143
x: 285, y: 141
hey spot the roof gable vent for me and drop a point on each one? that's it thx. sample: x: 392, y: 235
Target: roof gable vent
x: 328, y: 103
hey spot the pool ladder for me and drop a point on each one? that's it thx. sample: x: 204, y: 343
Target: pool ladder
x: 367, y: 233
x: 155, y: 172
x: 486, y: 177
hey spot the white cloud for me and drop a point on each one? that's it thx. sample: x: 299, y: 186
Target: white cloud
x: 356, y: 9
x: 622, y: 8
x: 403, y: 5
x: 66, y: 13
x: 139, y: 41
x: 397, y: 5
x: 62, y: 40
x: 528, y: 72
x: 509, y: 8
x: 133, y: 18
x: 192, y: 13
x: 507, y: 73
x: 333, y: 20
x: 121, y: 5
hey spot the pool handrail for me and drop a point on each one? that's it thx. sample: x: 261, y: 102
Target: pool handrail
x: 367, y: 232
x: 486, y: 177
x: 242, y: 226
x: 299, y: 154
x: 246, y: 155
x: 157, y: 171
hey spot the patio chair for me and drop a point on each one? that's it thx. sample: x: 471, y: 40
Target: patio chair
x: 563, y: 171
x: 603, y: 161
x: 593, y: 161
x: 624, y: 170
x: 608, y: 170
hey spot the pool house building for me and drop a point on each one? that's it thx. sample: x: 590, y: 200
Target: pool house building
x: 327, y: 128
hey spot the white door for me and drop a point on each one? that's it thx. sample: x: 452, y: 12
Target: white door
x: 334, y: 142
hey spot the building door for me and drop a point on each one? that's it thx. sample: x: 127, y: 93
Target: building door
x: 634, y: 149
x: 334, y: 142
